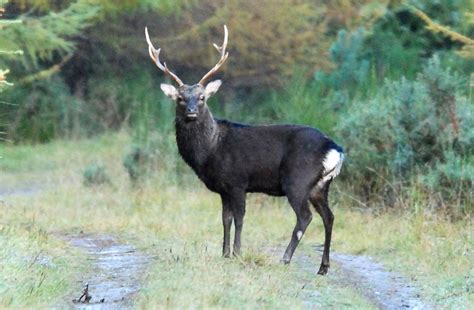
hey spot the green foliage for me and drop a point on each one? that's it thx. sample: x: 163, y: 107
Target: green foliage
x: 95, y: 174
x: 351, y: 73
x: 3, y: 72
x: 91, y: 42
x: 399, y: 39
x: 42, y: 37
x: 468, y: 43
x: 302, y: 103
x: 421, y: 127
x: 347, y: 53
x: 47, y: 111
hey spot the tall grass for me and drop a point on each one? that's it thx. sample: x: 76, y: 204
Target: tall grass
x: 34, y: 266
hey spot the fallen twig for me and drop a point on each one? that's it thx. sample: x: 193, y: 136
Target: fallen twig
x: 85, y: 297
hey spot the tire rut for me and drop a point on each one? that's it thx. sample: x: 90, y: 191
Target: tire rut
x: 116, y: 273
x: 385, y: 289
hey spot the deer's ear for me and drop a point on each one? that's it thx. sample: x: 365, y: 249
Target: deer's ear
x: 213, y: 87
x: 169, y: 91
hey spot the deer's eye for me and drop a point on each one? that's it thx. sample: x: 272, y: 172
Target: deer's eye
x: 201, y: 97
x: 181, y: 100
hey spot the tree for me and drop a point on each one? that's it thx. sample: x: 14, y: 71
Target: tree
x: 4, y: 72
x: 467, y: 49
x: 269, y: 40
x: 46, y: 37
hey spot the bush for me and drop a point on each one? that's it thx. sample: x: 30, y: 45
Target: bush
x: 139, y: 162
x: 95, y: 174
x: 421, y: 127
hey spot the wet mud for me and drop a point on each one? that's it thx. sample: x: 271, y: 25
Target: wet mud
x: 114, y: 277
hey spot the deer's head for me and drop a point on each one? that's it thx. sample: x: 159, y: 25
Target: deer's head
x: 190, y: 99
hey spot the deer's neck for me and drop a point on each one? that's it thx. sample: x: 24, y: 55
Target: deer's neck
x: 196, y: 139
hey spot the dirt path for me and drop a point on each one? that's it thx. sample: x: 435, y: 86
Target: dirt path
x: 385, y: 289
x: 116, y: 273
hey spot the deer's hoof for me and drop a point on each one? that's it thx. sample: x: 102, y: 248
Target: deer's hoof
x: 323, y: 270
x: 285, y: 260
x: 226, y: 254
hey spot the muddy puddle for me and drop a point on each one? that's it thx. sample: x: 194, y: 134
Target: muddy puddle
x: 114, y: 277
x: 6, y: 192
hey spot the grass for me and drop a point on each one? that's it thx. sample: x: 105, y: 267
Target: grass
x: 178, y: 223
x: 432, y: 250
x: 35, y: 267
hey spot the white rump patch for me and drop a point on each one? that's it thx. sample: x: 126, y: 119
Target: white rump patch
x: 332, y: 166
x: 299, y: 234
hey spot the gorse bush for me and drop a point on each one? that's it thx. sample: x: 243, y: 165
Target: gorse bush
x: 413, y: 128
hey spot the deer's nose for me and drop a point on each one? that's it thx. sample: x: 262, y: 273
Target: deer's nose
x: 191, y: 110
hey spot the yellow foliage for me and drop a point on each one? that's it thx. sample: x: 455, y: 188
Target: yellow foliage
x: 268, y: 40
x: 3, y: 78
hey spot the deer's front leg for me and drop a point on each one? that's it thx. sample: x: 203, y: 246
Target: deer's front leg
x: 233, y: 208
x: 227, y: 217
x: 239, y: 213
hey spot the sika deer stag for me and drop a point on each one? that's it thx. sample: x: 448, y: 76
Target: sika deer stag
x: 233, y: 159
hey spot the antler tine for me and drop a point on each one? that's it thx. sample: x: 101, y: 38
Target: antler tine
x: 155, y: 56
x: 224, y: 55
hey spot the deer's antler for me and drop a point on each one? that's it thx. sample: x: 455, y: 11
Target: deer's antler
x: 155, y: 55
x: 224, y: 55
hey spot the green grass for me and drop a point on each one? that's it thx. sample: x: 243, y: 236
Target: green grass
x: 34, y: 266
x: 177, y: 221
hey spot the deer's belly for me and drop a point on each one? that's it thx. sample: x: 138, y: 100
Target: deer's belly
x: 263, y: 182
x: 267, y: 182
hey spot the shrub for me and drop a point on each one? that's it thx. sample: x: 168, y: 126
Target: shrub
x: 421, y: 127
x: 138, y: 162
x: 95, y: 174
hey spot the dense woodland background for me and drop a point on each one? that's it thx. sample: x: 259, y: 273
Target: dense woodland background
x: 391, y: 81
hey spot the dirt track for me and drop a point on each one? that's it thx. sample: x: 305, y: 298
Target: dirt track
x: 384, y: 289
x: 116, y: 272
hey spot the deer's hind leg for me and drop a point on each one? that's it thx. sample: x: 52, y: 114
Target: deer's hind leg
x: 319, y: 199
x: 299, y: 202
